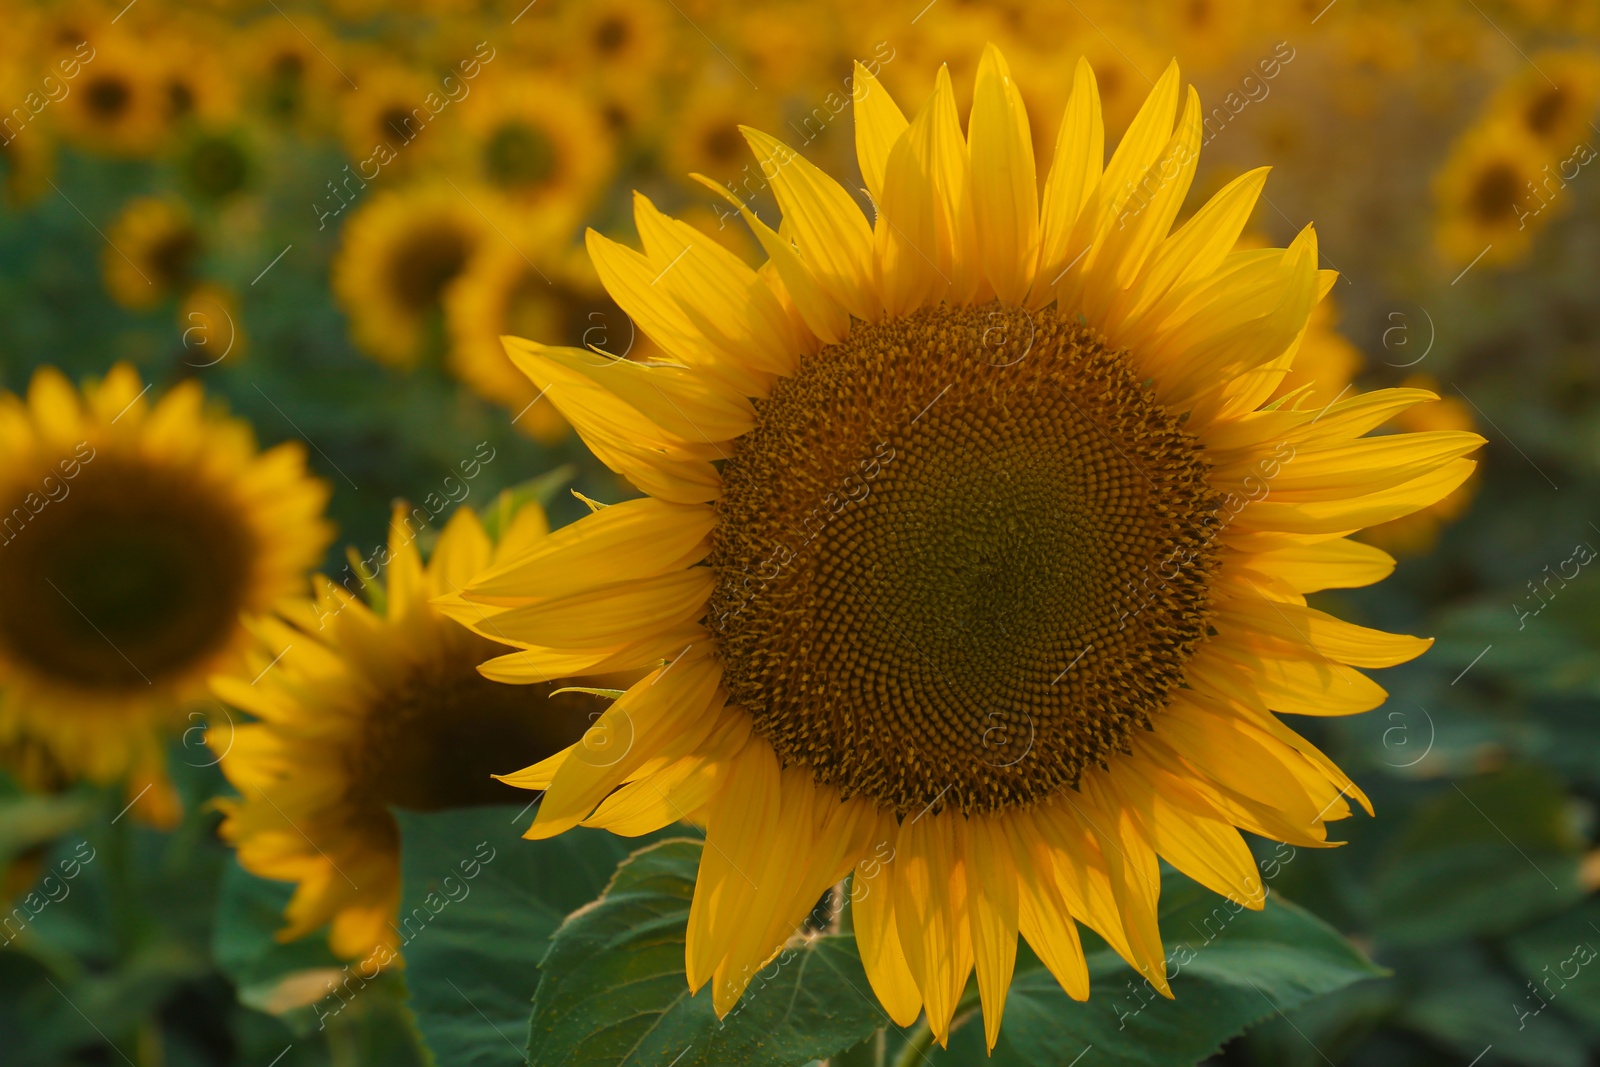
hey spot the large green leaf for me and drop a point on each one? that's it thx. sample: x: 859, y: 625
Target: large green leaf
x: 614, y: 990
x: 477, y: 909
x: 1229, y: 967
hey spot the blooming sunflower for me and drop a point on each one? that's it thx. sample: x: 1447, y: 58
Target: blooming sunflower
x: 1485, y: 194
x: 118, y: 105
x: 366, y: 704
x: 132, y: 536
x: 503, y: 293
x: 398, y: 255
x: 1554, y: 100
x: 539, y: 143
x: 152, y: 252
x: 969, y: 530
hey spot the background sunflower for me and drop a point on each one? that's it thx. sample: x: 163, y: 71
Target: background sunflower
x: 211, y: 192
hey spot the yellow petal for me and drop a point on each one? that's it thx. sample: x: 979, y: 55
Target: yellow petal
x: 930, y: 904
x: 1074, y: 176
x: 1005, y: 191
x: 872, y: 904
x: 828, y: 228
x: 992, y: 893
x: 738, y: 839
x: 879, y: 123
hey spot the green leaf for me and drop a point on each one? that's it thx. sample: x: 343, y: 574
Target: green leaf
x: 1561, y: 958
x: 1229, y: 967
x: 478, y: 906
x: 1465, y: 1002
x: 614, y: 990
x: 271, y: 976
x: 1483, y: 857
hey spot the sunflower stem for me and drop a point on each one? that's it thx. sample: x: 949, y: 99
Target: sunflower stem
x: 918, y: 1041
x: 870, y: 1053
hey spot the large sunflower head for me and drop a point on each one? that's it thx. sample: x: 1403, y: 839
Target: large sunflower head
x: 366, y: 698
x: 970, y: 533
x: 135, y: 533
x: 400, y: 253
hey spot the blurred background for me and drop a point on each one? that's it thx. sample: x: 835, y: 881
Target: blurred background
x: 325, y: 214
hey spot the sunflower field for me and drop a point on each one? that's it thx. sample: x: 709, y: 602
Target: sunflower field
x: 681, y: 532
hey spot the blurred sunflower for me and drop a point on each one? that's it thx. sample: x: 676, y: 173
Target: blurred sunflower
x: 290, y: 70
x: 134, y: 535
x: 503, y: 293
x: 703, y: 137
x: 118, y: 105
x: 1209, y: 32
x: 615, y: 42
x: 27, y: 159
x: 152, y: 252
x: 398, y: 255
x: 539, y: 143
x: 363, y: 705
x: 386, y: 122
x: 1485, y: 194
x: 988, y: 570
x: 194, y: 78
x: 1554, y: 100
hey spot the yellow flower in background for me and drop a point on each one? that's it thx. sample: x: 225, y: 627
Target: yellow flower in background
x: 363, y: 705
x: 118, y: 104
x: 152, y: 252
x: 1485, y: 195
x: 386, y: 125
x: 290, y: 69
x: 616, y: 42
x: 703, y: 137
x: 399, y: 252
x: 133, y: 533
x: 1553, y: 100
x: 503, y: 293
x: 540, y: 144
x: 1004, y: 565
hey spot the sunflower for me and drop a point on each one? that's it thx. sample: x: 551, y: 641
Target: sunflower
x: 152, y: 253
x: 704, y: 134
x: 363, y: 705
x: 290, y: 69
x: 540, y: 144
x: 398, y: 255
x: 133, y: 533
x: 1554, y: 100
x: 969, y: 532
x: 503, y: 293
x: 387, y: 125
x: 118, y: 104
x: 1486, y: 194
x: 616, y: 42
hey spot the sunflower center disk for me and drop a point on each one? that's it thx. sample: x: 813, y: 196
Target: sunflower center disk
x: 444, y: 729
x: 961, y: 557
x: 133, y: 576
